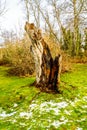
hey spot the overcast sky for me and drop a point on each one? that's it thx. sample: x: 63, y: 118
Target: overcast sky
x: 14, y: 17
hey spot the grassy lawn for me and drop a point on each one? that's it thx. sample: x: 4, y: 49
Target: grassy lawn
x: 23, y: 107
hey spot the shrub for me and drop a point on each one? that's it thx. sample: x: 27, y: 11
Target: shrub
x: 18, y: 56
x: 66, y: 62
x: 55, y: 50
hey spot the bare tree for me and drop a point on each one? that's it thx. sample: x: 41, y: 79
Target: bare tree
x: 2, y: 7
x: 57, y: 9
x: 9, y: 36
x: 48, y: 19
x: 35, y: 12
x: 26, y: 9
x: 31, y: 11
x: 57, y: 15
x: 78, y: 13
x: 73, y: 15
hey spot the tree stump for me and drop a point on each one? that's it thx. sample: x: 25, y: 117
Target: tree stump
x: 47, y: 68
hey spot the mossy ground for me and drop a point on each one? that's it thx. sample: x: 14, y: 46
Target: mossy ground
x: 23, y: 107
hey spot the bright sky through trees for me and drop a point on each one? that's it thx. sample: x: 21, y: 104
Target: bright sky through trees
x: 13, y: 16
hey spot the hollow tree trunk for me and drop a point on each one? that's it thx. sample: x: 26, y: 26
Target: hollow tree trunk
x: 47, y: 68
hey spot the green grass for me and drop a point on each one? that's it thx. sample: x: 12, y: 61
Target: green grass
x: 24, y: 108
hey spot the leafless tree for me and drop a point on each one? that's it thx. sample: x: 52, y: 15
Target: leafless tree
x: 71, y: 14
x: 26, y: 9
x: 56, y: 15
x: 32, y: 11
x: 9, y: 36
x: 2, y: 7
x: 78, y: 12
x: 35, y: 11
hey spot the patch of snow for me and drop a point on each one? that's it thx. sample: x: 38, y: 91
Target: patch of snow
x: 62, y: 104
x: 29, y: 128
x: 67, y: 112
x: 22, y: 124
x: 44, y: 104
x: 84, y: 106
x: 12, y: 109
x: 15, y: 105
x: 78, y: 128
x: 62, y: 118
x: 52, y: 106
x: 83, y: 119
x: 48, y: 106
x: 33, y: 120
x: 26, y: 114
x: 3, y: 114
x: 14, y: 121
x: 56, y: 111
x: 59, y: 105
x: 56, y: 124
x: 32, y: 106
x: 85, y: 98
x: 76, y: 100
x: 72, y: 103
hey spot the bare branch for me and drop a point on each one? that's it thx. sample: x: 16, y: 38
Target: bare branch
x: 2, y: 7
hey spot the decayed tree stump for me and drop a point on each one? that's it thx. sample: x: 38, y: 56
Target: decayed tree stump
x: 47, y: 68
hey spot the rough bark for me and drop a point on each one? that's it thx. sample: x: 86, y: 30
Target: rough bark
x: 47, y: 68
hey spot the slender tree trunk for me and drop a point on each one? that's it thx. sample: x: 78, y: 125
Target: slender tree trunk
x: 76, y: 29
x: 27, y: 10
x: 47, y: 68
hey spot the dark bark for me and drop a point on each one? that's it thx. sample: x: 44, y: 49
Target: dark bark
x: 47, y: 68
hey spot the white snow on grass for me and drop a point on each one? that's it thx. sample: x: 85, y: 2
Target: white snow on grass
x: 14, y: 121
x: 49, y: 104
x: 78, y: 128
x: 22, y: 124
x: 4, y: 114
x: 51, y: 108
x: 84, y: 106
x: 32, y: 106
x: 81, y: 120
x: 57, y: 124
x: 27, y: 115
x: 85, y: 98
x: 46, y: 107
x: 15, y: 105
x: 68, y: 112
x: 73, y: 103
x: 59, y: 105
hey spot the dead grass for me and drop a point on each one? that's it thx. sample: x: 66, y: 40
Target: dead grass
x: 55, y: 50
x: 79, y: 60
